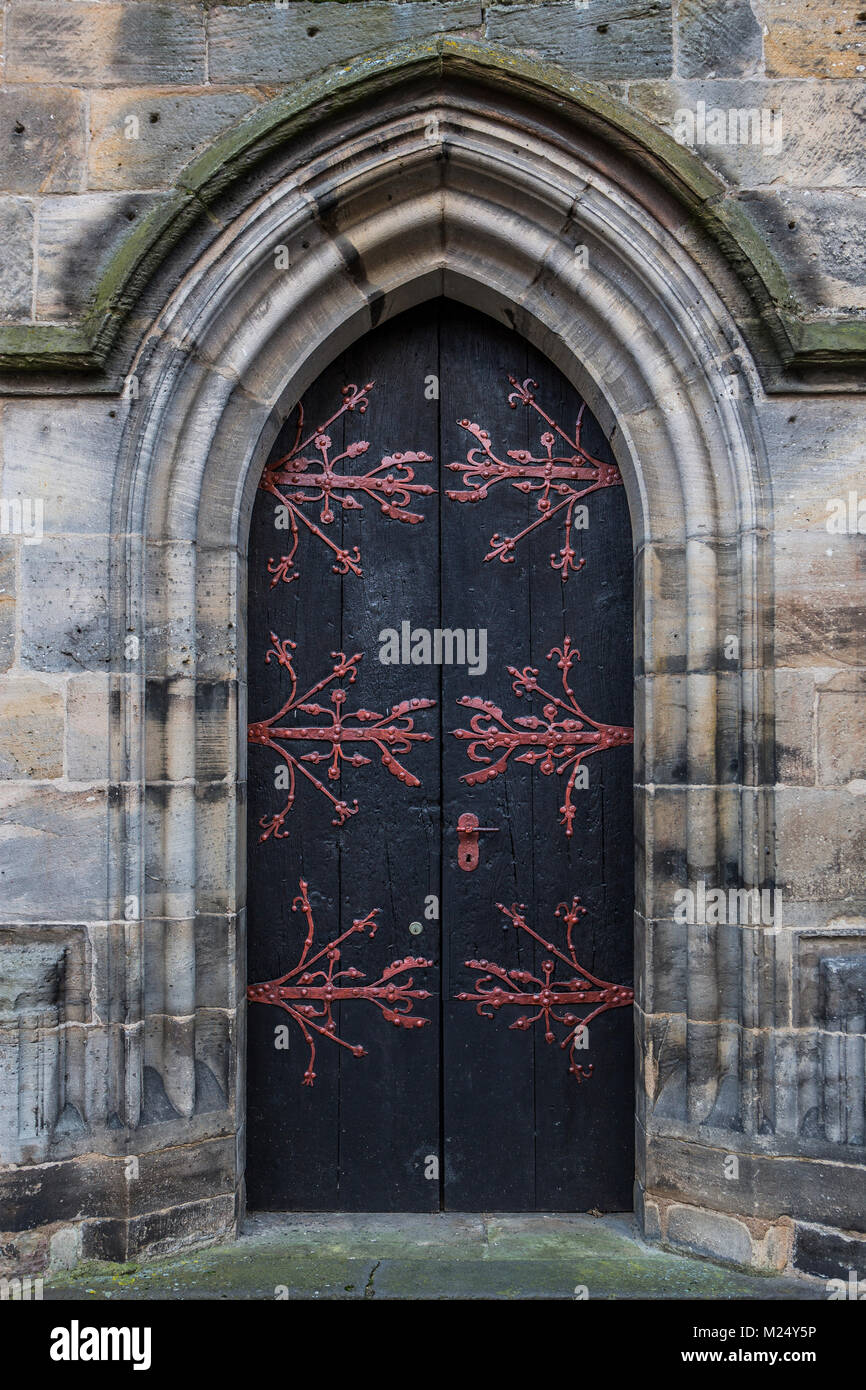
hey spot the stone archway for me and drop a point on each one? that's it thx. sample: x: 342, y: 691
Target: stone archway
x: 473, y: 188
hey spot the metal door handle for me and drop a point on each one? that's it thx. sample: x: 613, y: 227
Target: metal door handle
x: 468, y: 831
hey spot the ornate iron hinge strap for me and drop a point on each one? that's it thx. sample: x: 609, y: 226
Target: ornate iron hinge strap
x: 559, y: 742
x: 308, y: 996
x: 498, y: 988
x: 558, y: 478
x: 391, y: 484
x: 390, y: 733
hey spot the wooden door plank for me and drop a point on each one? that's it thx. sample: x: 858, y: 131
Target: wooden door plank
x: 389, y: 1102
x: 488, y: 1069
x: 358, y: 1136
x: 292, y: 1128
x: 527, y: 1134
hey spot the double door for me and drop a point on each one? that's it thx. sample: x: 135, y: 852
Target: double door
x: 440, y: 858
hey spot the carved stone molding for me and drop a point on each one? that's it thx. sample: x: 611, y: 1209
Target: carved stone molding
x: 44, y: 1015
x: 374, y: 222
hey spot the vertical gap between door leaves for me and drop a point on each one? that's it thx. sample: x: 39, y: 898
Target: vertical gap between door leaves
x: 439, y: 319
x: 344, y: 377
x: 532, y: 897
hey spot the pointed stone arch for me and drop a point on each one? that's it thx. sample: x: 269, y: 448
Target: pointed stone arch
x: 444, y: 186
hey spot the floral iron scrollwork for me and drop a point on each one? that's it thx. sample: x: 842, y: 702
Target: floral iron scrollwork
x: 497, y: 988
x: 389, y: 734
x: 560, y: 478
x: 308, y: 995
x: 560, y: 740
x: 297, y: 479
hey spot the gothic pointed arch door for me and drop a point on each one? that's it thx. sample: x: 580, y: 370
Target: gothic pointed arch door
x: 440, y: 859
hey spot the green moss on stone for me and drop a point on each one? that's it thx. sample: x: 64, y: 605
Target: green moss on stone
x: 86, y: 346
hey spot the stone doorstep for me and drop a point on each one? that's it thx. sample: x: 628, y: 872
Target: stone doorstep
x: 439, y: 1256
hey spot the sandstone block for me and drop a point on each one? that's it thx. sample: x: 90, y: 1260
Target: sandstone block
x: 709, y: 1233
x: 64, y: 604
x: 63, y: 452
x: 829, y: 1254
x: 795, y: 727
x: 87, y: 728
x: 718, y: 38
x: 60, y: 41
x: 77, y: 237
x: 821, y: 839
x: 7, y: 602
x: 813, y: 38
x: 820, y: 128
x: 143, y: 139
x: 16, y: 266
x: 819, y: 613
x: 819, y: 239
x: 53, y: 864
x: 31, y: 728
x: 41, y: 140
x: 613, y: 39
x: 264, y: 42
x: 841, y: 725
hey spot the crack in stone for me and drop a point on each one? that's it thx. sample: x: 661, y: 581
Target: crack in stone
x: 369, y: 1290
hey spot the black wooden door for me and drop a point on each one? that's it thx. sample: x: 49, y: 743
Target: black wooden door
x: 440, y: 601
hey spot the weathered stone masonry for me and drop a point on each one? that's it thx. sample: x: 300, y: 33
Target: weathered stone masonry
x: 151, y: 158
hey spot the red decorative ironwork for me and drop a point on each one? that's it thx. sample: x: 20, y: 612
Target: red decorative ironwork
x: 559, y: 742
x: 498, y: 988
x: 308, y: 996
x: 557, y: 477
x: 391, y: 484
x: 390, y: 733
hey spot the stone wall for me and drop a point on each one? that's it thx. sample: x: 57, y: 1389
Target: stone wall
x: 721, y: 329
x: 103, y: 104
